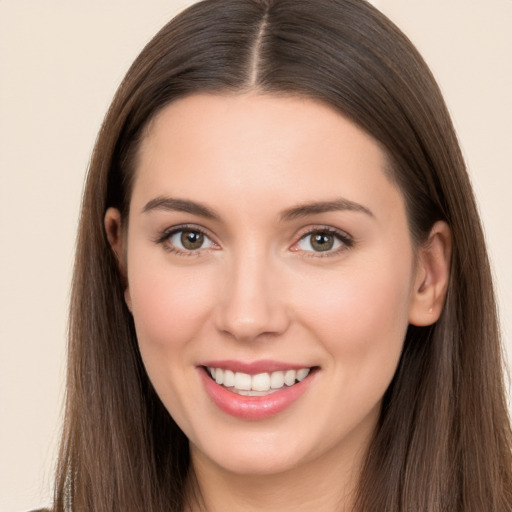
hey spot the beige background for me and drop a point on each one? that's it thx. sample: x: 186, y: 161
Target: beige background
x: 60, y: 63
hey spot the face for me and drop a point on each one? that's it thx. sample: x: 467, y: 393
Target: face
x: 271, y: 276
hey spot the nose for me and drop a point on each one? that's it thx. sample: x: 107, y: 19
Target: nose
x: 252, y: 304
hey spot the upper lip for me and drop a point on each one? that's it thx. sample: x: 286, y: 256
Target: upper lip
x: 254, y: 367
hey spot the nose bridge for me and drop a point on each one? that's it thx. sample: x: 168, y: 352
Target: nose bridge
x: 252, y: 304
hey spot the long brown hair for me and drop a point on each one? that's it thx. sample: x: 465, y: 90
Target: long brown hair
x: 443, y: 441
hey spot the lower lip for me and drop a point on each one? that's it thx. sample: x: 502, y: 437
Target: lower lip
x: 253, y: 407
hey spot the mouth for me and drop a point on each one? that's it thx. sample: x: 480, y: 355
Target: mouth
x: 254, y: 394
x: 260, y: 384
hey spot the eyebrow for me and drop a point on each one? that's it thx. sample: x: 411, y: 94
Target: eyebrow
x: 179, y: 205
x: 296, y: 212
x: 314, y: 208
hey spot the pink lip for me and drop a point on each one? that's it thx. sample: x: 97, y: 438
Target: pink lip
x: 253, y: 407
x: 253, y: 367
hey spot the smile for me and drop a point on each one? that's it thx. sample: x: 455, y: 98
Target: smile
x: 257, y: 385
x: 254, y: 394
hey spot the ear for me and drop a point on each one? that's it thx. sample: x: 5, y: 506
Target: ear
x: 116, y: 239
x: 432, y: 276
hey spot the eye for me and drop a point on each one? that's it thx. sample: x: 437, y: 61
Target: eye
x: 323, y: 240
x: 186, y: 240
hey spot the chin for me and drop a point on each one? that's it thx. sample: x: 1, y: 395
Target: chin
x: 253, y: 458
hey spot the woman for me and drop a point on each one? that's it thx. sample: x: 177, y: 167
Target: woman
x: 281, y: 296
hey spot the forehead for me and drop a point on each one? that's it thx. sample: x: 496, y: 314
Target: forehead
x: 237, y: 150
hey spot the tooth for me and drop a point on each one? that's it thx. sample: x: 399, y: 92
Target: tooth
x: 261, y: 382
x: 277, y: 380
x: 252, y: 392
x: 301, y: 374
x: 243, y: 381
x: 289, y: 377
x: 229, y: 378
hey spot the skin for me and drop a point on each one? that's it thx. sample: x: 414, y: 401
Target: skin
x: 258, y: 289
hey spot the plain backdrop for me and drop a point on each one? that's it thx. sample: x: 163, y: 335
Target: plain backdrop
x: 60, y: 64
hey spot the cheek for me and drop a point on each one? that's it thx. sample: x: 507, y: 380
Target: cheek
x: 360, y: 314
x: 171, y: 309
x: 169, y: 305
x: 360, y: 319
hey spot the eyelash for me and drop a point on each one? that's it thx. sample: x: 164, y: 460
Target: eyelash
x: 346, y: 240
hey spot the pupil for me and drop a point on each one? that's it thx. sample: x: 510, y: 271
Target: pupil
x: 322, y: 242
x: 192, y: 239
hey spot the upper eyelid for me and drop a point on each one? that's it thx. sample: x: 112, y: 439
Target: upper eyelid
x: 167, y: 232
x: 323, y: 228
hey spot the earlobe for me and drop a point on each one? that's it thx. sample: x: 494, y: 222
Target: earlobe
x: 432, y: 276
